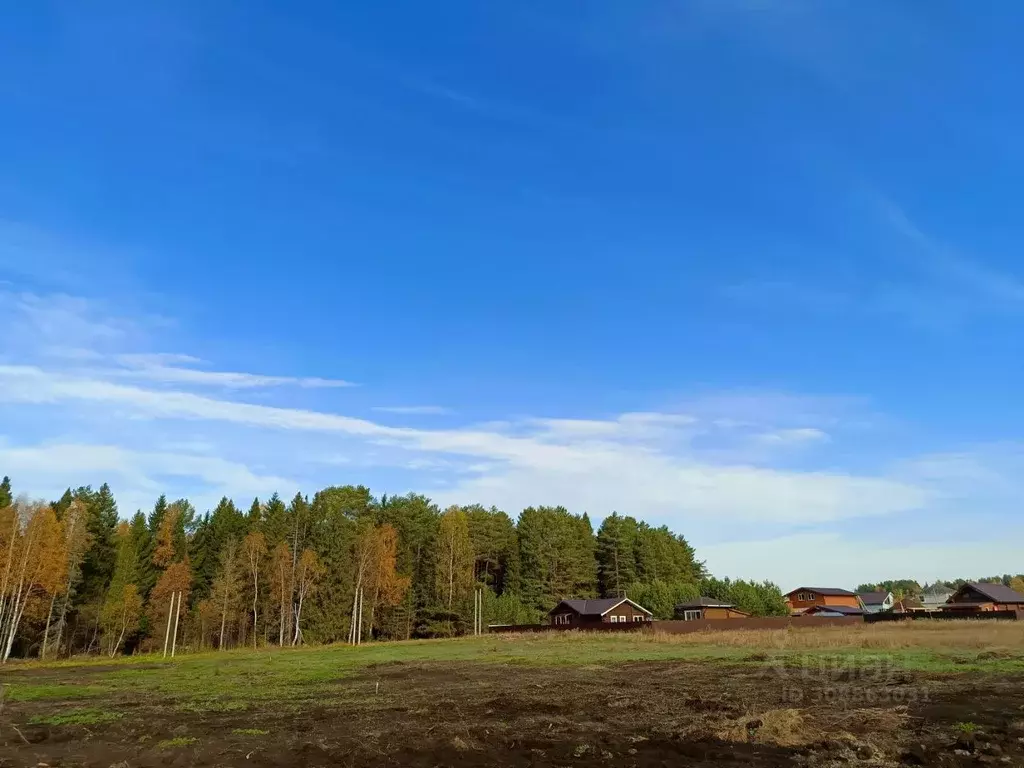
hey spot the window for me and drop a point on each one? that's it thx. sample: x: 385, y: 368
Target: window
x: 805, y: 596
x: 614, y: 619
x: 693, y: 615
x: 638, y: 618
x: 563, y: 618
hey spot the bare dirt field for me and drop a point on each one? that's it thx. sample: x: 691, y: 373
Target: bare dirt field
x: 492, y: 703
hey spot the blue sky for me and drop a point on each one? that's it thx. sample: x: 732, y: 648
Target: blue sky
x: 748, y: 268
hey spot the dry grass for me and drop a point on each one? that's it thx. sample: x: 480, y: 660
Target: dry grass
x: 784, y: 727
x: 992, y: 636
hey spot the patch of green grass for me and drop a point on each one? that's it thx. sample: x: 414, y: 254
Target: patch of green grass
x: 214, y: 705
x: 18, y: 692
x: 250, y: 732
x: 177, y: 741
x: 967, y: 727
x: 78, y: 717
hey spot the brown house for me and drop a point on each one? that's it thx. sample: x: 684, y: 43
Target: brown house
x: 972, y: 597
x: 802, y: 598
x: 707, y: 608
x: 613, y: 610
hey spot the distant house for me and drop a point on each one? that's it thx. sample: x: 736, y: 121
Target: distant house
x: 804, y: 598
x: 832, y: 611
x: 707, y: 608
x: 975, y: 597
x: 614, y: 610
x: 935, y: 597
x: 909, y: 605
x: 876, y: 602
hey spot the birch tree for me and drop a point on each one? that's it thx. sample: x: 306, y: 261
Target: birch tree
x: 453, y: 566
x: 39, y: 562
x: 308, y: 573
x: 387, y: 585
x: 227, y: 585
x: 281, y: 587
x: 255, y: 548
x: 76, y: 543
x: 121, y: 616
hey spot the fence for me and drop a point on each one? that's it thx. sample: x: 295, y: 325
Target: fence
x: 674, y: 627
x: 683, y: 627
x: 871, y: 618
x: 767, y: 622
x: 629, y: 626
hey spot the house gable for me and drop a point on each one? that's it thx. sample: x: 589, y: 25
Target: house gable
x: 978, y: 593
x: 636, y: 606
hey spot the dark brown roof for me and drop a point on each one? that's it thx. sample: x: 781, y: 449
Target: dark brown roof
x: 997, y: 593
x: 872, y: 598
x: 823, y: 591
x: 597, y: 607
x: 703, y: 602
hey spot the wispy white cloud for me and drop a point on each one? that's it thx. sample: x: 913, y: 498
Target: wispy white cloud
x: 141, y: 367
x: 597, y: 475
x: 414, y: 410
x: 139, y: 475
x: 799, y: 436
x: 75, y: 330
x: 968, y: 277
x: 943, y: 290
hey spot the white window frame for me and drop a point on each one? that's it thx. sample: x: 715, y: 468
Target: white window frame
x: 693, y: 614
x: 805, y: 597
x: 638, y: 618
x: 563, y: 619
x: 614, y: 619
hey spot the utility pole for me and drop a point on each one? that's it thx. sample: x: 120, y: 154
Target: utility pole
x: 167, y: 634
x: 174, y: 638
x: 478, y: 610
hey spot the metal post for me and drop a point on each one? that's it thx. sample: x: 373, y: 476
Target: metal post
x: 359, y: 629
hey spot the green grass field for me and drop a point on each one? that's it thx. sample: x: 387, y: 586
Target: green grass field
x: 232, y: 679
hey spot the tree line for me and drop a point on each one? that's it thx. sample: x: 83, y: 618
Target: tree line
x: 343, y: 566
x: 911, y: 588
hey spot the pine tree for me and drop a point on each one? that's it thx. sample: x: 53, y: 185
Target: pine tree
x: 63, y: 503
x: 274, y: 524
x: 156, y: 517
x: 98, y: 564
x: 616, y: 554
x: 493, y: 537
x: 557, y: 551
x: 254, y: 517
x: 6, y: 499
x: 334, y: 513
x: 149, y: 572
x: 415, y: 518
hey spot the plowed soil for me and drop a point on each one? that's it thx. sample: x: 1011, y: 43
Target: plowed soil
x: 476, y: 714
